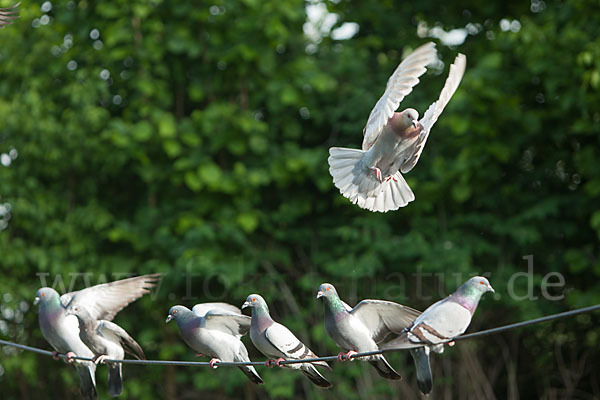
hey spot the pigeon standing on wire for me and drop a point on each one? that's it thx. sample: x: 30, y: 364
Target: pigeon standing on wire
x: 215, y: 330
x: 104, y: 302
x: 362, y: 328
x: 393, y: 141
x: 439, y: 324
x: 279, y: 344
x: 107, y: 340
x: 8, y: 15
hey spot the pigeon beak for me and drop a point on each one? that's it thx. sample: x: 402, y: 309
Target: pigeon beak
x: 169, y: 317
x: 319, y: 294
x: 36, y: 301
x: 246, y: 304
x: 491, y: 289
x: 415, y: 123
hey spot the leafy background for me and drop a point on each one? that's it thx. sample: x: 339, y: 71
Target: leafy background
x: 191, y: 139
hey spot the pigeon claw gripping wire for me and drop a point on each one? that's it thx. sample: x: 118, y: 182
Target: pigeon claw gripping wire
x: 101, y: 359
x: 70, y: 356
x: 213, y: 363
x: 55, y: 355
x: 346, y: 356
x: 271, y: 362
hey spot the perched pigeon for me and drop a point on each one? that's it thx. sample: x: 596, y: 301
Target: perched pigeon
x: 362, y: 328
x: 62, y: 331
x: 107, y: 340
x: 215, y: 330
x: 393, y: 141
x: 438, y: 324
x: 7, y: 15
x: 279, y: 344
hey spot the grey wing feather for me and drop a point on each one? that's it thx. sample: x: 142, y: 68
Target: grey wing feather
x: 384, y: 317
x: 128, y: 343
x: 457, y: 70
x: 233, y: 324
x: 288, y: 344
x: 7, y: 15
x: 104, y: 301
x: 399, y: 85
x: 203, y: 308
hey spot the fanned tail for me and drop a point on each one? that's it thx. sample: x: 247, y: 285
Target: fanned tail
x: 361, y: 187
x: 394, y: 193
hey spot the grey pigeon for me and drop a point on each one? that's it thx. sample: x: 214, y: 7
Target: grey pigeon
x: 216, y: 331
x: 107, y: 340
x: 279, y: 344
x: 62, y: 331
x: 8, y: 15
x: 438, y: 324
x: 393, y: 141
x: 362, y: 328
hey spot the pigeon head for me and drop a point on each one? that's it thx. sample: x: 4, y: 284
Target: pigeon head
x: 178, y: 313
x: 255, y: 301
x: 470, y: 292
x: 410, y: 116
x: 478, y: 285
x: 80, y: 312
x: 45, y: 296
x: 327, y: 290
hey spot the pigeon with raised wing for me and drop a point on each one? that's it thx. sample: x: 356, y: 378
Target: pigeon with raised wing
x: 393, y: 141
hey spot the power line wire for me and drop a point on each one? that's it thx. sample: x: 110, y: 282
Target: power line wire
x: 316, y: 359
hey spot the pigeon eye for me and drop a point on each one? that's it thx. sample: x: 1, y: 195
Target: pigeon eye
x: 326, y: 289
x: 254, y: 299
x: 43, y: 295
x: 174, y: 311
x: 482, y: 282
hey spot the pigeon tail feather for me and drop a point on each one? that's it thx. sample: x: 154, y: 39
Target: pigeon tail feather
x: 115, y: 380
x: 251, y: 373
x: 424, y: 377
x: 384, y: 369
x: 315, y: 376
x: 87, y: 380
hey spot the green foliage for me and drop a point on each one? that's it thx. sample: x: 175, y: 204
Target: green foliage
x: 191, y: 139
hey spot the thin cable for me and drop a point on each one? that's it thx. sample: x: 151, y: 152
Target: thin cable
x: 310, y: 360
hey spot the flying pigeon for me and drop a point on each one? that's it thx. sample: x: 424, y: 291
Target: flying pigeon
x: 103, y: 301
x: 438, y: 324
x: 214, y: 330
x: 107, y: 340
x: 362, y: 328
x: 279, y: 344
x: 393, y: 141
x: 7, y: 15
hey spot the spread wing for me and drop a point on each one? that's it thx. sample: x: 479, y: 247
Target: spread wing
x: 106, y: 300
x: 119, y: 335
x: 457, y: 70
x: 233, y: 324
x: 203, y: 308
x: 399, y: 85
x: 384, y: 317
x: 8, y: 15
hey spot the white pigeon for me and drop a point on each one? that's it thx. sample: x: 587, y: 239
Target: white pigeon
x: 393, y: 141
